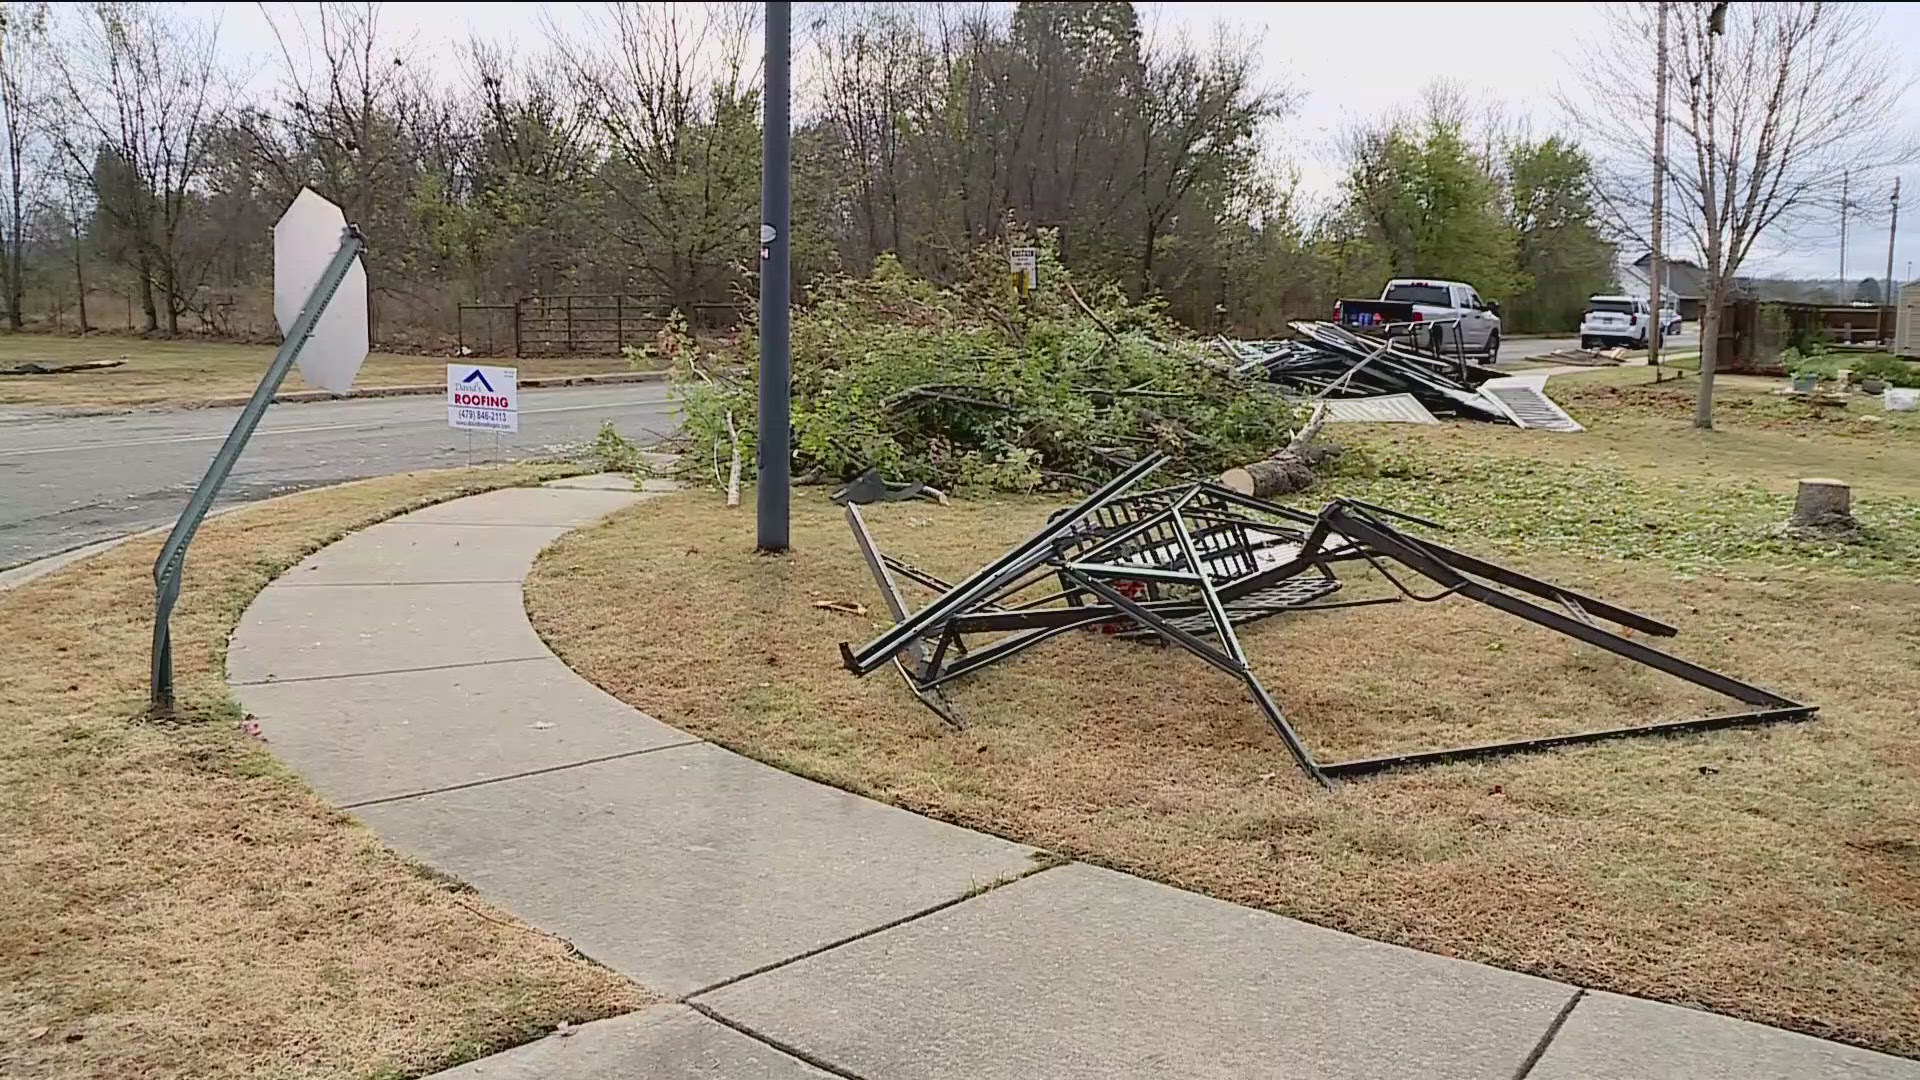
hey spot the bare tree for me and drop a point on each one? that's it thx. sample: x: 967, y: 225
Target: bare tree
x: 359, y: 121
x: 1771, y: 105
x: 876, y: 79
x: 670, y: 99
x: 140, y: 93
x: 22, y: 61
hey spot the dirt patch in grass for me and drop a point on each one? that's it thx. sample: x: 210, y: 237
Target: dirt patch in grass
x: 173, y: 904
x: 187, y: 373
x: 1766, y: 873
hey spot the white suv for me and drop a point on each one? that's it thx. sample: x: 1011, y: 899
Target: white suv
x: 1622, y: 320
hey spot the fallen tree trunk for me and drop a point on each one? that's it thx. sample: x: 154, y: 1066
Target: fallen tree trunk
x: 1282, y: 474
x: 1286, y: 472
x: 60, y: 369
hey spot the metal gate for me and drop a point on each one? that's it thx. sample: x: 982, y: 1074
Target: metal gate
x: 487, y: 330
x: 575, y: 324
x: 595, y: 324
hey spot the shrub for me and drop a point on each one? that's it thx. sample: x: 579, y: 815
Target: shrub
x: 970, y: 387
x: 1894, y: 371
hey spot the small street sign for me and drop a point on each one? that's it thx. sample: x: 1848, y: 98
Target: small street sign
x: 304, y: 241
x: 483, y: 398
x: 1025, y: 263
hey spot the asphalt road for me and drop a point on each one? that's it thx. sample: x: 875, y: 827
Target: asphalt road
x: 1688, y: 338
x: 68, y: 481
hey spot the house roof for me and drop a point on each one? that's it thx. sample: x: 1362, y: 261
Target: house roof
x: 1684, y: 279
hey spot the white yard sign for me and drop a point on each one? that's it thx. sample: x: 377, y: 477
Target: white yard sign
x: 482, y: 398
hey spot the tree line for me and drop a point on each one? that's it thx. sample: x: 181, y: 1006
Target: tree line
x: 145, y: 174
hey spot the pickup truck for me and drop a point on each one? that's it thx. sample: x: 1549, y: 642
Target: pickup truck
x: 1415, y: 300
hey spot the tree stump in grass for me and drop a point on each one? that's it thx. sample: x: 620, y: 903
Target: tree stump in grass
x: 1823, y: 504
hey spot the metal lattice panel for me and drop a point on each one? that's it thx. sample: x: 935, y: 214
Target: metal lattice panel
x: 1186, y: 565
x: 1524, y: 399
x: 1257, y: 605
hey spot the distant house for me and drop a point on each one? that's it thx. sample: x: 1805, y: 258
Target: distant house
x: 1685, y: 284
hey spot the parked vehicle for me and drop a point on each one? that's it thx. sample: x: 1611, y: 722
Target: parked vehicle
x: 1444, y: 303
x: 1623, y: 320
x: 1670, y: 318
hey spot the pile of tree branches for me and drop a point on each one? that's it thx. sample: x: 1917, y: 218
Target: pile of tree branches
x: 972, y: 387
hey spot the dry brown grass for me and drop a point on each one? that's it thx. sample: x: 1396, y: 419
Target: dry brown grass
x: 187, y: 373
x: 172, y: 904
x: 1770, y: 873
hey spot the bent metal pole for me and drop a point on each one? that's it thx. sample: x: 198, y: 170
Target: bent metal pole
x: 173, y: 554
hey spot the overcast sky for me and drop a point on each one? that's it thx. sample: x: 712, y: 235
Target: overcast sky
x: 1351, y: 62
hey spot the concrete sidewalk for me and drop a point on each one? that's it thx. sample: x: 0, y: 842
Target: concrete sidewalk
x: 807, y: 932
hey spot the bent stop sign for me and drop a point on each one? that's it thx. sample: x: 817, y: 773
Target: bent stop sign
x: 304, y: 241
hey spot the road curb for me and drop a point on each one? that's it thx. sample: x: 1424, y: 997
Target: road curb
x: 606, y: 378
x: 20, y: 574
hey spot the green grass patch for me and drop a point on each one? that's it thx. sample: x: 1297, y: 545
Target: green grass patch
x: 1691, y: 523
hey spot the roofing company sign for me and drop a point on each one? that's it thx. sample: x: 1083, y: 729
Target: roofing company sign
x: 481, y: 398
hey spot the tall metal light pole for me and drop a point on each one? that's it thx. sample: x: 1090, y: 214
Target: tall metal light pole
x: 1656, y: 260
x: 775, y: 454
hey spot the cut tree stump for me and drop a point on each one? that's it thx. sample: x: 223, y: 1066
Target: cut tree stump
x: 1821, y: 503
x: 1283, y: 474
x: 1286, y: 472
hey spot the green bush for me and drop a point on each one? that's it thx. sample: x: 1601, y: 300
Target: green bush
x: 1817, y: 362
x: 1894, y: 371
x: 969, y: 387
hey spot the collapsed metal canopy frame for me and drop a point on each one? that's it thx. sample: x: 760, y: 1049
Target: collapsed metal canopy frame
x: 1190, y: 564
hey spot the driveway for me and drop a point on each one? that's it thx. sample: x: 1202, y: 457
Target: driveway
x: 1687, y: 339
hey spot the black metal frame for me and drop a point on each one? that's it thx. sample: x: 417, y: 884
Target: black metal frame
x: 1187, y: 565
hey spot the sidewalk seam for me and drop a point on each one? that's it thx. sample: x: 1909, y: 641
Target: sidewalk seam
x: 766, y: 1040
x: 517, y: 776
x: 494, y: 524
x: 389, y: 671
x: 1553, y: 1030
x: 890, y: 924
x: 367, y: 584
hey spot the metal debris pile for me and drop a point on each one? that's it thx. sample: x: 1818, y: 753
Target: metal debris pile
x: 1195, y: 564
x: 1612, y: 357
x: 1331, y: 362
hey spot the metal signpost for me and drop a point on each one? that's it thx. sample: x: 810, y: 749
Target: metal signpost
x: 774, y: 453
x: 316, y: 256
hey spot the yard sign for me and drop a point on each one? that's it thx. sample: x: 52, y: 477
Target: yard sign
x: 483, y: 398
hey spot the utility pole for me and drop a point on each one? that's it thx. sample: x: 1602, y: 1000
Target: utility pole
x: 775, y: 446
x: 1844, y: 176
x: 1892, y: 296
x: 1656, y: 259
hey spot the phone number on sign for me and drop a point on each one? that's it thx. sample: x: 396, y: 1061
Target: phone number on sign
x: 484, y: 419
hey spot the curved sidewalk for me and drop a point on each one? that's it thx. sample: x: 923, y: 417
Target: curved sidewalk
x: 807, y: 932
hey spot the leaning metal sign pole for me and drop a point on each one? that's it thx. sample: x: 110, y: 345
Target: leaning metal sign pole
x: 774, y: 450
x: 167, y: 569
